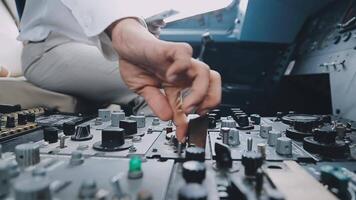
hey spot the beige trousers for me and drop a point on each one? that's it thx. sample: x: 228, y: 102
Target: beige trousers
x: 62, y: 65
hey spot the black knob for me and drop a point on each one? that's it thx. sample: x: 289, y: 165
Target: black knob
x: 195, y: 153
x: 223, y: 156
x: 304, y: 126
x: 217, y: 113
x: 279, y: 116
x: 21, y: 119
x: 192, y: 191
x: 325, y: 135
x: 243, y: 121
x: 68, y: 128
x: 31, y: 117
x: 10, y: 121
x: 256, y: 119
x: 50, y: 134
x: 130, y: 126
x: 251, y: 161
x: 112, y: 140
x: 212, y: 121
x: 326, y: 119
x: 82, y: 132
x: 193, y: 171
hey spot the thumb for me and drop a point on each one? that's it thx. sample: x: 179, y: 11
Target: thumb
x: 180, y: 119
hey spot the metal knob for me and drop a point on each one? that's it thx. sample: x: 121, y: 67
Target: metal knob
x: 116, y: 117
x: 27, y: 154
x: 4, y: 180
x: 228, y: 123
x: 76, y: 158
x: 234, y: 137
x: 155, y: 121
x: 33, y: 188
x: 272, y: 137
x: 141, y: 120
x: 104, y: 114
x: 224, y: 132
x: 284, y: 146
x: 192, y: 191
x: 193, y: 171
x: 88, y: 189
x: 264, y: 130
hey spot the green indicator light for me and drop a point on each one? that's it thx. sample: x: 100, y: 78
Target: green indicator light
x: 135, y: 164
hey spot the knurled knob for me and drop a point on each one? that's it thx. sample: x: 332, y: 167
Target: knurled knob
x: 82, y: 133
x: 33, y: 188
x: 228, y: 123
x: 194, y: 171
x: 130, y: 126
x: 192, y: 191
x: 116, y: 117
x: 104, y: 114
x: 264, y: 130
x: 140, y: 120
x: 50, y: 134
x: 195, y: 153
x: 27, y: 154
x: 284, y: 146
x: 251, y: 162
x: 68, y: 128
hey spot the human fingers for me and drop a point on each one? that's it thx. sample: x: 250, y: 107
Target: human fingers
x: 179, y: 54
x: 158, y: 102
x: 179, y: 118
x: 200, y: 74
x: 213, y: 98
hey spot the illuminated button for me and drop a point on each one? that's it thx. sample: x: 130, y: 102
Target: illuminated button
x: 135, y: 168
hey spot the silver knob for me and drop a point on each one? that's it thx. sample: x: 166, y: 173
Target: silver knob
x: 88, y: 189
x: 272, y: 137
x: 228, y: 123
x: 104, y: 114
x: 116, y: 117
x: 284, y: 146
x: 261, y: 148
x: 4, y: 179
x: 33, y: 188
x: 141, y: 120
x: 76, y: 158
x: 264, y: 130
x: 155, y: 122
x: 234, y: 137
x: 27, y: 154
x: 224, y: 132
x: 98, y: 121
x: 13, y: 168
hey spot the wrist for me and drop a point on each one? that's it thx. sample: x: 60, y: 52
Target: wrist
x: 133, y: 41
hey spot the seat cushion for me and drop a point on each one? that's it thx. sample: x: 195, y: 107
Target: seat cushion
x: 19, y: 91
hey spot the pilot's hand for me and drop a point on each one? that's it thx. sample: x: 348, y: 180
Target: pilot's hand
x: 148, y: 65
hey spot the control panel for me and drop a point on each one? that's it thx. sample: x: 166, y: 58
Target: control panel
x: 228, y: 154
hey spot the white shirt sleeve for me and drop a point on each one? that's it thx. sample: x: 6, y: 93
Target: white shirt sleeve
x: 94, y: 16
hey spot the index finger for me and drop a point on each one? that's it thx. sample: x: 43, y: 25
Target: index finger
x: 179, y: 118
